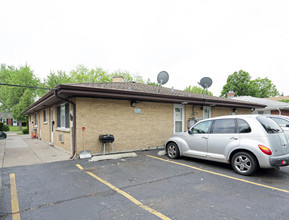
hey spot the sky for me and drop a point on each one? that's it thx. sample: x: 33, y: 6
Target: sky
x: 189, y: 39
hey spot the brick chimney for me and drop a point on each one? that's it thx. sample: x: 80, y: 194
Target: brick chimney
x: 117, y: 79
x: 231, y: 94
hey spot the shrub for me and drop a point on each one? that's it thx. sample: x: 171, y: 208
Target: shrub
x: 5, y: 127
x: 1, y: 126
x: 25, y: 131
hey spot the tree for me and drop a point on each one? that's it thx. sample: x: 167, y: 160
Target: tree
x: 152, y: 83
x: 84, y: 75
x: 262, y: 88
x: 198, y: 90
x: 127, y: 76
x: 17, y: 99
x: 238, y: 82
x: 242, y: 85
x: 56, y: 78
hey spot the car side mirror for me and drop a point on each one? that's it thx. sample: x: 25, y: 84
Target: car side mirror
x: 190, y: 131
x: 287, y: 125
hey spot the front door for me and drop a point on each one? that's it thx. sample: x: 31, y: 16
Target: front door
x: 51, y: 124
x: 179, y: 112
x: 206, y: 112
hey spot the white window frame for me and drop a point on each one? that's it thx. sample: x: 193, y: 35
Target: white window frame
x: 45, y: 116
x: 183, y: 116
x: 62, y: 118
x: 35, y: 119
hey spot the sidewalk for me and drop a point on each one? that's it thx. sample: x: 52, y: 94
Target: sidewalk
x: 20, y: 150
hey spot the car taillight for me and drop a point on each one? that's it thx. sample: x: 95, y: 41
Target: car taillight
x: 265, y: 150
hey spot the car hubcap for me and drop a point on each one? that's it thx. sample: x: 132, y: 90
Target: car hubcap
x: 242, y: 163
x: 172, y: 151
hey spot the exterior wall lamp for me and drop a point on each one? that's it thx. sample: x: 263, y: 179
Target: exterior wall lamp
x: 133, y: 103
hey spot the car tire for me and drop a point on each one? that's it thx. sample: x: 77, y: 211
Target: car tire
x: 173, y: 151
x: 244, y: 163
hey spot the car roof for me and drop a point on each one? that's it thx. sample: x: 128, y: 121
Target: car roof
x: 278, y: 116
x: 235, y: 116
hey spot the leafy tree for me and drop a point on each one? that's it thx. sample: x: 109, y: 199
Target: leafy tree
x: 84, y: 75
x: 262, y: 88
x: 284, y: 100
x: 17, y: 99
x: 239, y: 82
x: 152, y: 83
x: 242, y: 85
x: 198, y: 90
x: 127, y: 76
x: 56, y: 78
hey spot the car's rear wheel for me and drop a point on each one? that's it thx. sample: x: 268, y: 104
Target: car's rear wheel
x: 173, y: 151
x: 244, y: 163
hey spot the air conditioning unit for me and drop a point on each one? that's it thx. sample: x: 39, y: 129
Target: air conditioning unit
x: 61, y: 138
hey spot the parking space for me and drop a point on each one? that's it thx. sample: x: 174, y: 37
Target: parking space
x: 146, y: 187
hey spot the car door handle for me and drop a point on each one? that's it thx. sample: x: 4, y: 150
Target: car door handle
x: 233, y: 138
x: 204, y: 138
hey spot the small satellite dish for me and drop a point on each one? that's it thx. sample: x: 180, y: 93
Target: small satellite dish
x: 163, y: 77
x: 206, y: 82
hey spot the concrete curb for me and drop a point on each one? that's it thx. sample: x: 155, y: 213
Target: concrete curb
x: 112, y: 157
x: 2, y: 152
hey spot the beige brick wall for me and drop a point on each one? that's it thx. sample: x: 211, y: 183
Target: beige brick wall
x: 44, y: 129
x: 220, y: 111
x: 132, y: 131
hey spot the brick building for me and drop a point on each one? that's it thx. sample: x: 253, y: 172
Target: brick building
x: 8, y: 119
x: 140, y: 116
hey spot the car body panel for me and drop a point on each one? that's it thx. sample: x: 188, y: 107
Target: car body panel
x: 221, y: 147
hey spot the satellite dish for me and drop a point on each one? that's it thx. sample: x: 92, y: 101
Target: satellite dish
x: 163, y: 77
x: 206, y: 82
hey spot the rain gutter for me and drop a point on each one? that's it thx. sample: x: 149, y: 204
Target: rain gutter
x: 74, y: 123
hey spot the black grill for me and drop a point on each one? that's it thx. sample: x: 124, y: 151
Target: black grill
x: 106, y: 138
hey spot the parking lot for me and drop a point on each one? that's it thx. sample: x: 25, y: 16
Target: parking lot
x: 145, y: 187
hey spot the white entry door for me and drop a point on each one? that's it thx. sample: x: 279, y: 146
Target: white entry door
x: 206, y: 112
x: 179, y: 117
x: 51, y: 125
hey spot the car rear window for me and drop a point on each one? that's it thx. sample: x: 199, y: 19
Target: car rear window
x: 269, y: 125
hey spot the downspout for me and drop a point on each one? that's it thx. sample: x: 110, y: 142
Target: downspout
x: 280, y: 113
x: 74, y: 123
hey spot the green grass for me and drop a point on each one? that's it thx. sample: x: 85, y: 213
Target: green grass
x: 15, y: 128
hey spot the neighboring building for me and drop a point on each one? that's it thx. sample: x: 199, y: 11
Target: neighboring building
x: 279, y: 98
x: 272, y: 107
x: 140, y: 116
x: 8, y: 119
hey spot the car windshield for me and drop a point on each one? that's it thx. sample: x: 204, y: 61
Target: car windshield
x: 269, y: 125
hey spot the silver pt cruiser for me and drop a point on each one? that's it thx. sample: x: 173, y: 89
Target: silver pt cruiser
x: 247, y: 142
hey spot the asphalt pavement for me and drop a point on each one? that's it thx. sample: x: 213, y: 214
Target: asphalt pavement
x: 21, y: 150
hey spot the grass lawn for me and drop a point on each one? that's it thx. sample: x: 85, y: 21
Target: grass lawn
x: 15, y: 128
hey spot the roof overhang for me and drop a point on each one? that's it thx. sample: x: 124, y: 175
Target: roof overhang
x: 68, y: 92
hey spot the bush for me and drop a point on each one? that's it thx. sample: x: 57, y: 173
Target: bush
x: 25, y: 131
x: 1, y: 126
x: 5, y: 127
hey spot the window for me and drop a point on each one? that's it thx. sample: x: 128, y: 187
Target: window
x: 35, y: 119
x: 243, y: 126
x: 281, y: 122
x: 45, y: 116
x: 269, y: 125
x: 63, y: 116
x: 224, y: 126
x: 201, y: 128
